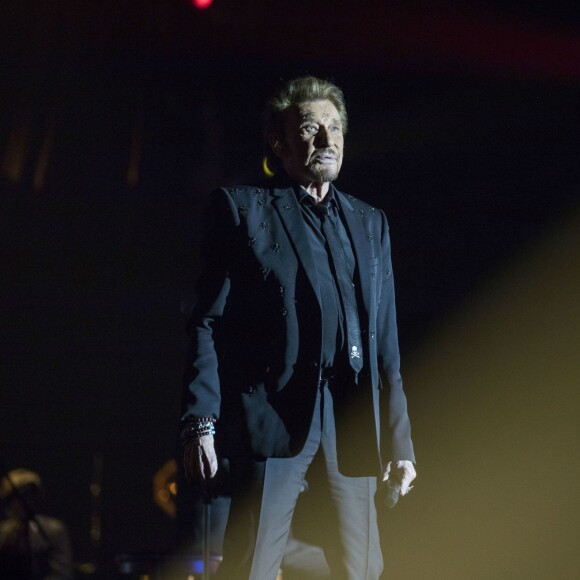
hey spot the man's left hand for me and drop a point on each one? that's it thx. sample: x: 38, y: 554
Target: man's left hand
x: 400, y: 474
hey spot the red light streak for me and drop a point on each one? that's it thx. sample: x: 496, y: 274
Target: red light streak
x: 202, y: 4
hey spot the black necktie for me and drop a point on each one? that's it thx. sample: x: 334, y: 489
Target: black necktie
x: 345, y: 286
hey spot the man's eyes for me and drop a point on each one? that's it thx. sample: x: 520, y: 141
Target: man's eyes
x: 314, y: 128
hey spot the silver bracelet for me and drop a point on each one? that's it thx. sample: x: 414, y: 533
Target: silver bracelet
x: 196, y: 428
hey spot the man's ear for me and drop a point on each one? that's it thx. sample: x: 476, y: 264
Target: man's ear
x: 277, y: 145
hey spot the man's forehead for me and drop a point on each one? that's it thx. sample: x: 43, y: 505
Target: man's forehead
x: 317, y: 109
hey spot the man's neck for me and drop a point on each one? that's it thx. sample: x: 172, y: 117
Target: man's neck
x: 317, y: 191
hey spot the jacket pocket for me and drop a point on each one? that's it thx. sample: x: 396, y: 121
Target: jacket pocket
x: 269, y: 435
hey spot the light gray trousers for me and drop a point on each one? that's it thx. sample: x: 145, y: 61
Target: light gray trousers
x: 342, y: 508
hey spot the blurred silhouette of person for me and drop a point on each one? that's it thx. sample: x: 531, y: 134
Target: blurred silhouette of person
x: 32, y: 546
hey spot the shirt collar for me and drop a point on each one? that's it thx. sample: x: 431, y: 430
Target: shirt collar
x: 305, y: 198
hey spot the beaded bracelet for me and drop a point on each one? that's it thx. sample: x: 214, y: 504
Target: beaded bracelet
x: 196, y: 428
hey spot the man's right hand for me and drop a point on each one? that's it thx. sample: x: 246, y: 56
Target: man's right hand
x: 200, y: 463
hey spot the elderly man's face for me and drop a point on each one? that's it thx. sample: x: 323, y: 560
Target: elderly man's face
x: 311, y: 151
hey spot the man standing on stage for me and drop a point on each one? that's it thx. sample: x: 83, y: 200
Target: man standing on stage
x: 294, y: 371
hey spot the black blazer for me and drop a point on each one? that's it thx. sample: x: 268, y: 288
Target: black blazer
x: 255, y: 333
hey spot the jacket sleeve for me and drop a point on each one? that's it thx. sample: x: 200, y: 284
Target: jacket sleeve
x: 201, y: 389
x: 395, y: 424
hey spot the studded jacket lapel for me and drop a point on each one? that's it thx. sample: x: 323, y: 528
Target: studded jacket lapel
x: 286, y: 204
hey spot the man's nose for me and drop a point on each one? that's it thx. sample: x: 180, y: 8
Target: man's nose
x: 324, y: 138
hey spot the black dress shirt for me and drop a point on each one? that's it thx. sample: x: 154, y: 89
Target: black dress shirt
x: 334, y: 340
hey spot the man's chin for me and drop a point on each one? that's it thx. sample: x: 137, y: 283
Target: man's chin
x: 324, y: 174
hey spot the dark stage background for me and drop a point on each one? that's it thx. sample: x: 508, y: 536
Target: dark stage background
x: 118, y: 118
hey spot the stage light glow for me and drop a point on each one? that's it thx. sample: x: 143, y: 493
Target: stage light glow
x: 165, y: 487
x: 202, y: 4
